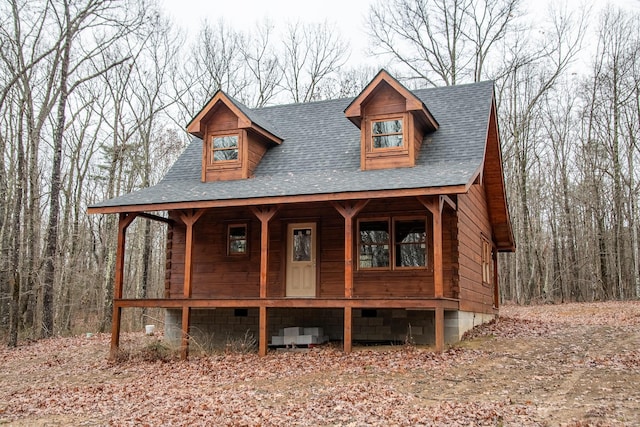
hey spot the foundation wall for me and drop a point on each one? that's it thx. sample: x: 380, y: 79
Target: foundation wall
x: 223, y: 327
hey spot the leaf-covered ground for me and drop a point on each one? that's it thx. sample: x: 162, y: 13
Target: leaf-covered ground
x: 564, y: 365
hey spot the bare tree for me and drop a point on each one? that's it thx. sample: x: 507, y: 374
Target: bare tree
x: 312, y: 53
x: 441, y: 41
x: 75, y: 20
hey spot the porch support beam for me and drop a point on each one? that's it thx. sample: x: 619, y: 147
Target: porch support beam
x: 263, y: 342
x: 439, y: 324
x: 264, y: 214
x: 184, y: 342
x: 189, y: 217
x: 348, y: 322
x: 156, y: 218
x: 349, y: 210
x: 435, y: 206
x: 125, y: 219
x: 496, y: 291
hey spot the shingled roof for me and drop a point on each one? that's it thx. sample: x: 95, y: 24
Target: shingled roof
x: 320, y: 154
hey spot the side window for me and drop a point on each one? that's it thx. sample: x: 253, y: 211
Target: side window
x: 237, y: 239
x: 487, y: 261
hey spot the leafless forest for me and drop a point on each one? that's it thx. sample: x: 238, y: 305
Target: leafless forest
x: 95, y: 95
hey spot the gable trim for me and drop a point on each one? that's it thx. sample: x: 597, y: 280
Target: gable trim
x: 244, y: 121
x: 412, y: 103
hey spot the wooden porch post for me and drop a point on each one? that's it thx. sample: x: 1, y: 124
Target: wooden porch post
x: 186, y: 323
x: 496, y: 290
x: 348, y: 322
x: 124, y: 221
x: 439, y: 329
x: 348, y: 210
x: 435, y: 206
x: 189, y: 218
x: 264, y: 214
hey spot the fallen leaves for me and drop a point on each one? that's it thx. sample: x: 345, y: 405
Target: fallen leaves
x: 558, y: 365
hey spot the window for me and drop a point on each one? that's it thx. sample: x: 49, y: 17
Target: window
x: 387, y: 134
x: 237, y: 239
x: 224, y: 147
x: 301, y: 244
x: 411, y: 243
x: 374, y: 244
x: 409, y: 248
x: 487, y: 261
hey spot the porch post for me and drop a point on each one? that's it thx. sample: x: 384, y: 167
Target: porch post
x: 496, y: 290
x: 348, y: 210
x: 439, y: 329
x: 263, y: 339
x: 184, y: 342
x: 115, y: 331
x: 348, y: 322
x: 435, y: 206
x: 124, y: 221
x: 264, y: 214
x: 189, y: 218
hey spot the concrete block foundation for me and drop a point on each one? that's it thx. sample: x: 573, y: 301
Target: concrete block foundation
x: 214, y: 329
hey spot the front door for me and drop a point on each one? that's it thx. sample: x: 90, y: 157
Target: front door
x: 301, y: 260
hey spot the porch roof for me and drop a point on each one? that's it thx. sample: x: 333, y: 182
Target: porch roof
x: 320, y: 154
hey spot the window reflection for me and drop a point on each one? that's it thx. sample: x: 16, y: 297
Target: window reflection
x: 374, y: 244
x: 225, y: 148
x: 410, y: 238
x: 387, y: 134
x: 302, y: 244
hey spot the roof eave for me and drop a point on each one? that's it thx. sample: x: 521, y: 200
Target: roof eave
x: 300, y: 198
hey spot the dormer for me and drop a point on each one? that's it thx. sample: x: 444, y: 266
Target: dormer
x: 234, y: 138
x: 392, y: 121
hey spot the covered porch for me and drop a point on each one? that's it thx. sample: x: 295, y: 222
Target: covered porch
x: 265, y: 298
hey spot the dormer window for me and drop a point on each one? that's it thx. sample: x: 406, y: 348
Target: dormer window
x: 234, y: 138
x: 224, y: 148
x: 387, y: 134
x: 393, y: 123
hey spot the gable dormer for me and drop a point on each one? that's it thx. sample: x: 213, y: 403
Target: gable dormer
x: 234, y: 138
x: 392, y: 122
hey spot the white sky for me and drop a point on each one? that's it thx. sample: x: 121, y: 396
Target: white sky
x: 347, y: 15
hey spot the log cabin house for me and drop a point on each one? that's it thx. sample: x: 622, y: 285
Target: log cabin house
x: 372, y: 217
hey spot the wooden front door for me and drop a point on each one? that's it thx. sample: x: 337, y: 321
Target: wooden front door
x: 301, y: 260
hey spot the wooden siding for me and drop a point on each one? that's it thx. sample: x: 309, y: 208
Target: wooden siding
x: 218, y: 275
x: 256, y: 148
x: 473, y: 224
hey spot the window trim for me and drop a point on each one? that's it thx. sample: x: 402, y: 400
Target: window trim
x: 230, y: 240
x: 391, y: 220
x: 211, y: 149
x: 486, y: 265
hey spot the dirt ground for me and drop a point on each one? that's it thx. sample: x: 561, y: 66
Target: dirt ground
x: 554, y: 365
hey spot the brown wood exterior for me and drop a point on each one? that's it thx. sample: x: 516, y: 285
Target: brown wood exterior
x: 464, y: 225
x: 219, y: 275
